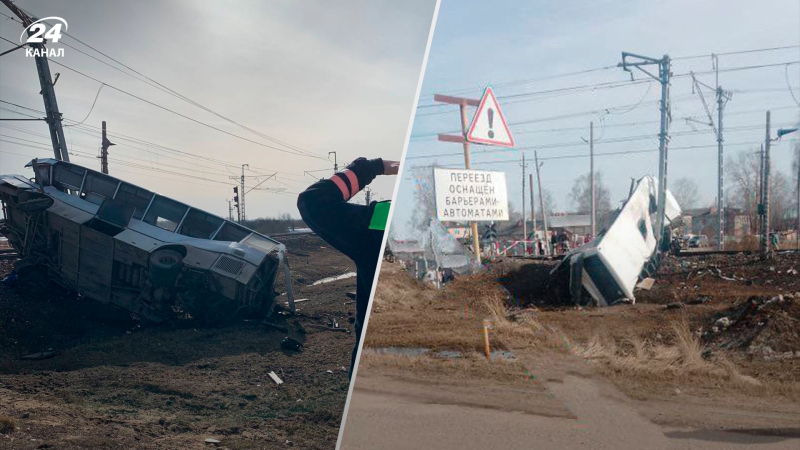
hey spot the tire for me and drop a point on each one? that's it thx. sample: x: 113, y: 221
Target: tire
x: 165, y: 265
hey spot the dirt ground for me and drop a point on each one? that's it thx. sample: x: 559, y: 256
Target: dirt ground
x: 713, y: 346
x: 116, y: 383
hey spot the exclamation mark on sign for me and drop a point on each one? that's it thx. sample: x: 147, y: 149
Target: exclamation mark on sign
x: 491, y: 123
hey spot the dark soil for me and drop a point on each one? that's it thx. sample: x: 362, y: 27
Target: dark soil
x: 118, y: 383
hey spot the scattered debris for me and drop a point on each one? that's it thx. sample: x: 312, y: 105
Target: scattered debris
x: 275, y: 326
x: 291, y: 344
x: 44, y: 354
x: 12, y: 280
x: 275, y: 378
x: 212, y: 441
x: 762, y: 326
x: 323, y: 327
x: 646, y: 283
x: 336, y: 278
x: 351, y: 295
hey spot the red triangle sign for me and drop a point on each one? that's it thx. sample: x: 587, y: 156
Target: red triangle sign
x: 488, y: 124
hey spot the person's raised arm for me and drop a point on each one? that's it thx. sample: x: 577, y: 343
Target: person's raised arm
x: 324, y: 208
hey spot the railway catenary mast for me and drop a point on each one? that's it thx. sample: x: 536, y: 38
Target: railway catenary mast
x: 48, y: 92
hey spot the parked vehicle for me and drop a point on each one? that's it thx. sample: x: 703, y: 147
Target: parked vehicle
x: 698, y: 241
x: 118, y: 243
x: 606, y: 270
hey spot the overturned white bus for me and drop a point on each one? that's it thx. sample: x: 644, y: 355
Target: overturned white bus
x: 118, y: 243
x: 606, y: 270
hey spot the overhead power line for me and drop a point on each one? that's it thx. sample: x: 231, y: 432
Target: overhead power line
x: 598, y: 69
x: 582, y: 143
x: 185, y: 116
x: 525, y: 96
x: 153, y: 83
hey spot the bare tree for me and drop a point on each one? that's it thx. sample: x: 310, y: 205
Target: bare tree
x: 581, y: 195
x: 686, y: 192
x: 743, y: 171
x: 549, y: 203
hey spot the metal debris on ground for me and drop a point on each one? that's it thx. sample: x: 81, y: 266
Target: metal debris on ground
x: 323, y: 327
x: 275, y: 378
x: 275, y: 326
x: 44, y: 354
x: 646, y: 284
x: 291, y: 344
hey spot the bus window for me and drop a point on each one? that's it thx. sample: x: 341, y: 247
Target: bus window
x: 165, y: 213
x: 232, y: 233
x: 136, y: 197
x: 67, y: 176
x: 199, y: 224
x: 98, y: 187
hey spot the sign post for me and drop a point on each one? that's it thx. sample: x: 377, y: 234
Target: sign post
x: 488, y: 127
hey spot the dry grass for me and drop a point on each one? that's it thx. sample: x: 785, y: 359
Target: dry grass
x: 470, y: 367
x: 747, y: 243
x: 407, y: 313
x: 639, y: 360
x: 7, y: 425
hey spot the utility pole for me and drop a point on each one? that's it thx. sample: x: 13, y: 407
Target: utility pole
x: 524, y: 219
x: 230, y: 211
x: 663, y: 136
x: 797, y: 229
x: 541, y: 204
x: 591, y: 180
x: 367, y: 194
x: 104, y: 151
x: 533, y: 210
x: 335, y: 164
x: 48, y: 92
x: 723, y: 97
x: 462, y: 104
x: 765, y: 244
x: 244, y: 216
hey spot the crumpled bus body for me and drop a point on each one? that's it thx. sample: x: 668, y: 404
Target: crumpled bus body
x: 606, y: 270
x: 118, y: 243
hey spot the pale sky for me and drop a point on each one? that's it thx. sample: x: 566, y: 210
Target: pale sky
x: 321, y: 76
x: 506, y: 43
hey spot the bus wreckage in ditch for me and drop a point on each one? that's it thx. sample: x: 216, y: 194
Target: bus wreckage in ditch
x: 606, y: 270
x: 118, y: 243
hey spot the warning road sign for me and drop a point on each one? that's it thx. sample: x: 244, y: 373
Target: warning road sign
x: 489, y: 125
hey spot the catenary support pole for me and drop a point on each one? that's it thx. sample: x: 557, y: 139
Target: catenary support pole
x: 241, y: 200
x: 591, y: 180
x: 104, y: 150
x: 664, y: 73
x: 541, y: 204
x: 524, y: 219
x: 533, y: 210
x: 765, y: 192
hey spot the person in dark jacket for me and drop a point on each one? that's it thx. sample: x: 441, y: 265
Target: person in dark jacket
x: 353, y: 229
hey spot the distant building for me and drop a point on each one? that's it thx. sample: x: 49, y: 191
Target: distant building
x: 704, y: 221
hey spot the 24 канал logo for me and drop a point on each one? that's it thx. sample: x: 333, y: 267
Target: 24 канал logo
x: 38, y: 33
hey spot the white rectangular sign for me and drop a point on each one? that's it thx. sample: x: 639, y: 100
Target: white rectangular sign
x: 470, y: 195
